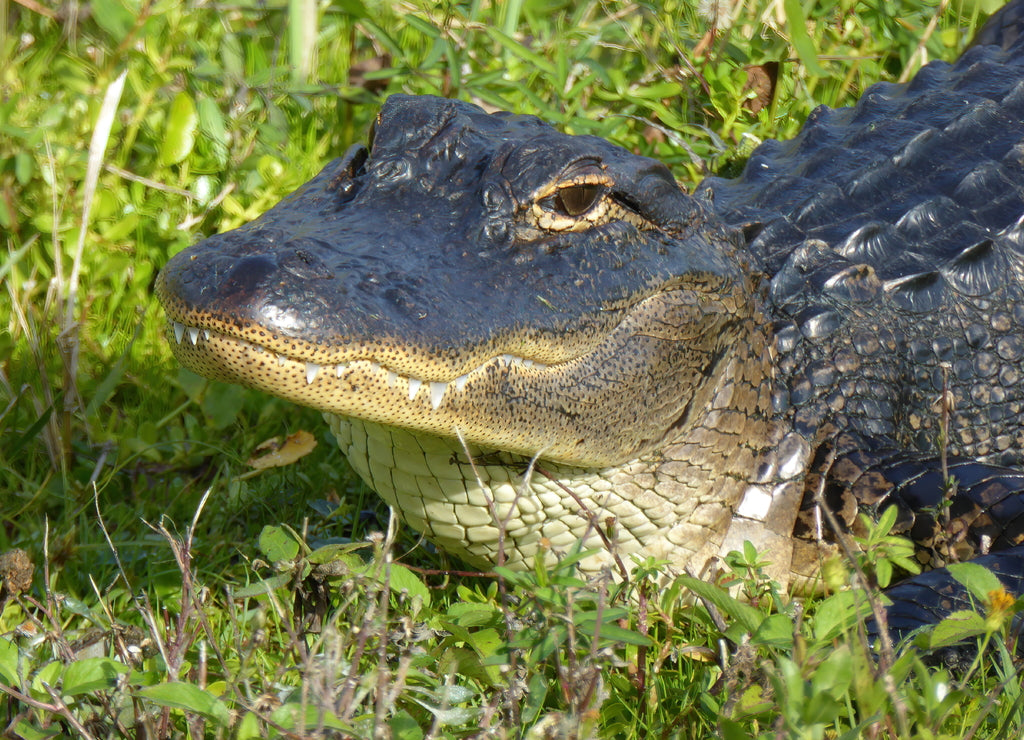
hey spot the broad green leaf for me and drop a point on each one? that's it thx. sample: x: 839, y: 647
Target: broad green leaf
x: 957, y: 627
x: 403, y: 579
x: 180, y: 131
x: 471, y: 615
x: 8, y: 662
x: 89, y: 675
x: 776, y: 629
x: 116, y: 17
x: 835, y: 674
x: 277, y: 544
x: 344, y: 551
x: 839, y: 613
x: 405, y: 727
x: 977, y: 579
x: 187, y: 697
x: 26, y: 730
x: 48, y: 675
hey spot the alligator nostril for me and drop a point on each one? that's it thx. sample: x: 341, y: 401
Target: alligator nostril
x: 248, y: 274
x: 351, y: 166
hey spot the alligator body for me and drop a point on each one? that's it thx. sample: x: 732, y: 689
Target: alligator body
x: 525, y: 340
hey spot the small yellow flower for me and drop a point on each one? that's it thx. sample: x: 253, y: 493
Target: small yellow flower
x: 1000, y: 609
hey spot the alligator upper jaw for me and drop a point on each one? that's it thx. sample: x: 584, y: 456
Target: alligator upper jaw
x: 570, y: 412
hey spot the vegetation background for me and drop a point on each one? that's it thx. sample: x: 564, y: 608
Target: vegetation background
x: 172, y: 590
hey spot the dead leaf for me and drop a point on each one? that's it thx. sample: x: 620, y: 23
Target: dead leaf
x: 277, y: 455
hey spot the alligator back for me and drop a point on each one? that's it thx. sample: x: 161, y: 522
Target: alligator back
x: 892, y: 236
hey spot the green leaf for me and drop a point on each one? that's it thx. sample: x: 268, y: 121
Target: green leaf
x: 115, y: 17
x: 344, y: 551
x: 835, y: 675
x: 747, y: 616
x: 839, y: 613
x: 277, y: 543
x: 8, y: 662
x: 89, y: 675
x: 180, y: 132
x: 30, y: 731
x: 403, y: 579
x: 189, y: 698
x: 405, y: 727
x: 211, y: 123
x: 776, y: 629
x: 294, y: 716
x: 612, y: 631
x: 796, y: 23
x: 262, y: 587
x: 957, y: 627
x: 977, y: 579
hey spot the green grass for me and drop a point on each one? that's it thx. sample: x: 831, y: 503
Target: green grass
x: 277, y: 608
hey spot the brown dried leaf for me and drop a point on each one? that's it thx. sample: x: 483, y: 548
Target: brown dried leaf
x: 277, y: 455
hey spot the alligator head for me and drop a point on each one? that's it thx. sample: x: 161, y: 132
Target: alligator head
x: 479, y: 283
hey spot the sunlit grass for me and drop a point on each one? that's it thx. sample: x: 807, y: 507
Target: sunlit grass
x: 148, y: 610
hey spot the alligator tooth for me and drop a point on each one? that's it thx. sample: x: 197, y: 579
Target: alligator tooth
x: 193, y: 335
x: 437, y: 393
x: 414, y: 386
x: 460, y: 382
x: 508, y: 359
x: 374, y: 366
x: 526, y: 363
x: 179, y: 331
x: 311, y: 370
x: 339, y: 370
x: 280, y: 360
x: 392, y: 378
x: 206, y: 334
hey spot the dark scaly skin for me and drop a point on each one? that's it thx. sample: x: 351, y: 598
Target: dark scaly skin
x: 706, y: 362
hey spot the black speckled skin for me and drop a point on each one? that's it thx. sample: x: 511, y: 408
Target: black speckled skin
x: 892, y: 236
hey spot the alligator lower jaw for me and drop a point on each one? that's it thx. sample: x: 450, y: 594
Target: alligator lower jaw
x: 209, y: 350
x: 368, y: 390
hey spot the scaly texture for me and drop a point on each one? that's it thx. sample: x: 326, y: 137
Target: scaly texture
x: 525, y: 340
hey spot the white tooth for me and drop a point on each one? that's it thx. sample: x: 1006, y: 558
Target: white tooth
x: 508, y: 359
x: 340, y: 369
x: 392, y: 377
x: 193, y: 334
x: 179, y: 331
x: 280, y: 360
x: 311, y: 370
x: 437, y: 393
x: 527, y: 363
x: 374, y: 366
x: 206, y: 334
x: 414, y: 386
x: 257, y: 349
x: 460, y: 382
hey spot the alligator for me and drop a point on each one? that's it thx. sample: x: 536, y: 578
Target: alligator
x: 527, y: 341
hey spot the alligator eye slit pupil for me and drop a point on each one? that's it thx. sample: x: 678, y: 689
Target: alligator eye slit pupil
x: 576, y: 200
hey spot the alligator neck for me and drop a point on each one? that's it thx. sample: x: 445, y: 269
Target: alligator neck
x: 676, y: 502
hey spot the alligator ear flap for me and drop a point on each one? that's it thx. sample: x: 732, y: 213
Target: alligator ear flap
x: 649, y: 189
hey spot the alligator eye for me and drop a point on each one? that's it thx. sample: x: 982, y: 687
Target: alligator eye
x: 575, y: 200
